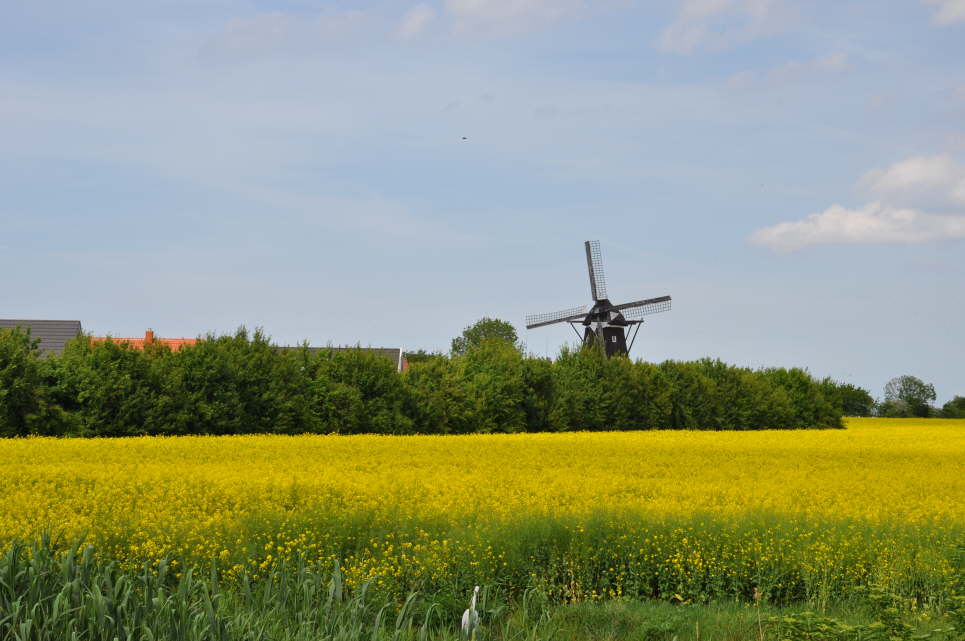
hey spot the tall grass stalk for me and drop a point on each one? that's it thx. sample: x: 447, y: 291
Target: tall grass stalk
x: 50, y: 593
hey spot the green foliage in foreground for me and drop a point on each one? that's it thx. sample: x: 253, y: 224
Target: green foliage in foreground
x: 242, y: 384
x: 692, y: 558
x: 46, y: 595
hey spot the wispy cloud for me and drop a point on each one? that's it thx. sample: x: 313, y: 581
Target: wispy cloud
x: 874, y: 223
x: 280, y: 31
x: 909, y: 196
x: 833, y: 63
x: 507, y: 16
x: 933, y: 181
x: 416, y: 21
x: 791, y: 71
x: 947, y: 11
x: 718, y: 24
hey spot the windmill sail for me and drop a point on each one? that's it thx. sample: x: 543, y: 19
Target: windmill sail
x: 562, y: 316
x: 594, y: 264
x: 604, y: 323
x: 640, y: 308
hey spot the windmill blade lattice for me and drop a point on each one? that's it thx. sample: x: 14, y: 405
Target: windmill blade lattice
x: 538, y: 320
x: 641, y: 308
x: 594, y: 264
x: 603, y: 323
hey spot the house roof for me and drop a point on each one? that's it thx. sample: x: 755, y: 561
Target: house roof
x: 138, y: 343
x: 52, y: 333
x: 148, y: 339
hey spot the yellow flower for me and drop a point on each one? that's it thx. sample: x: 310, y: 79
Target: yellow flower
x: 438, y: 502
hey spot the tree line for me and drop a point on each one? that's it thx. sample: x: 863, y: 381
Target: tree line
x: 242, y: 383
x: 904, y: 396
x: 910, y: 397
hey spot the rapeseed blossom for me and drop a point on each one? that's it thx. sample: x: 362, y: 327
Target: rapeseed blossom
x: 591, y: 515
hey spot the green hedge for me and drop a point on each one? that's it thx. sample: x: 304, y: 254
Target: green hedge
x: 241, y: 383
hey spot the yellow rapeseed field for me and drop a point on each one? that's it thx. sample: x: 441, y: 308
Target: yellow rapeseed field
x: 591, y: 513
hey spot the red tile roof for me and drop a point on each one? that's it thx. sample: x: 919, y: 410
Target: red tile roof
x: 138, y: 343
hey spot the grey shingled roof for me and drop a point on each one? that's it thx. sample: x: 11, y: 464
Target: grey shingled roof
x: 52, y: 333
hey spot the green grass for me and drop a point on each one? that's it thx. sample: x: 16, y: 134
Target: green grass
x: 68, y: 594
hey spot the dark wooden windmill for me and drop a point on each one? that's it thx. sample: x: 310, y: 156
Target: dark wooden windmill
x: 605, y: 321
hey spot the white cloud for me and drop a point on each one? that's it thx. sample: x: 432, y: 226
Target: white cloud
x: 935, y: 180
x: 507, y: 16
x: 416, y: 20
x: 906, y: 193
x: 874, y: 223
x: 948, y: 11
x: 719, y: 24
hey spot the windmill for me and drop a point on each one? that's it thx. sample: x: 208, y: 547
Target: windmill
x: 605, y: 321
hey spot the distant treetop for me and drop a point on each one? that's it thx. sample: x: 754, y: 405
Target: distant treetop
x: 483, y: 329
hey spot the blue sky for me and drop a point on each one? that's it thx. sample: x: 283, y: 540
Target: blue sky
x: 792, y: 173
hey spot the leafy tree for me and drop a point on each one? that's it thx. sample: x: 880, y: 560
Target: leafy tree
x: 110, y: 387
x: 241, y: 383
x: 812, y: 408
x: 639, y: 396
x: 652, y: 395
x: 693, y: 397
x: 583, y: 396
x: 419, y: 356
x: 25, y: 403
x: 539, y: 394
x: 226, y: 382
x: 19, y: 379
x: 743, y: 397
x: 360, y: 391
x: 894, y: 409
x: 912, y: 391
x: 292, y: 410
x: 954, y: 408
x: 494, y: 374
x: 440, y: 398
x: 853, y: 400
x: 485, y: 328
x: 175, y: 411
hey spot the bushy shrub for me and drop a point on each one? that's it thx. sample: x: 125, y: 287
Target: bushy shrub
x: 26, y: 406
x: 242, y: 384
x: 693, y: 397
x: 811, y: 408
x: 913, y: 393
x: 539, y: 393
x: 439, y: 403
x: 110, y: 388
x: 954, y: 408
x: 490, y: 388
x: 851, y: 399
x: 358, y: 391
x: 583, y: 397
x: 493, y: 374
x: 222, y: 385
x: 894, y: 409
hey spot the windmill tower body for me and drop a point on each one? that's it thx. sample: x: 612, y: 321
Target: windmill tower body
x: 605, y: 321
